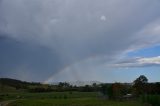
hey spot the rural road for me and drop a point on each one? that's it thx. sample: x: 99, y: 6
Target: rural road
x: 5, y: 103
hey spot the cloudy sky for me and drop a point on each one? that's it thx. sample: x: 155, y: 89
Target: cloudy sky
x: 70, y: 40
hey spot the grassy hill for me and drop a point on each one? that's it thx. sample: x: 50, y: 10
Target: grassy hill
x: 7, y: 84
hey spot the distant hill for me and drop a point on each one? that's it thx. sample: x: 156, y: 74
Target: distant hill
x: 18, y: 84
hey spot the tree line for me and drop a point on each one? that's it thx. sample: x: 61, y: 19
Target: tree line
x: 111, y: 90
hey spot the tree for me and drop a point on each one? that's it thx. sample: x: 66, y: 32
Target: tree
x: 103, y: 89
x: 118, y: 90
x: 140, y: 84
x: 95, y: 86
x: 141, y: 79
x: 64, y: 85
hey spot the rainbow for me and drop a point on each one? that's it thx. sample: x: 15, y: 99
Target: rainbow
x: 91, y: 58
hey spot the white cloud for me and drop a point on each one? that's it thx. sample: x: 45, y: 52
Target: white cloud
x: 151, y: 60
x: 136, y: 62
x: 103, y: 18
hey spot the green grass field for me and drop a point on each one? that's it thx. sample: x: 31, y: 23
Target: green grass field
x: 49, y: 95
x: 62, y: 99
x: 73, y: 102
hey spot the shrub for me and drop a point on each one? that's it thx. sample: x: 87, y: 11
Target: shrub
x: 65, y: 96
x: 154, y: 100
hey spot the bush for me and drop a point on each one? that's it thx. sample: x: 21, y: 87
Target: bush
x: 55, y: 97
x: 65, y: 96
x: 154, y: 100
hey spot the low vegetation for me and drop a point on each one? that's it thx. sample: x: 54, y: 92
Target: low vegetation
x: 138, y: 93
x: 151, y: 99
x: 73, y: 102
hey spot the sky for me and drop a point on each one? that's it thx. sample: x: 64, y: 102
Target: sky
x: 84, y: 40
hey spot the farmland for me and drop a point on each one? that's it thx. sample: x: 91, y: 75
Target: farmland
x: 63, y: 99
x: 18, y: 93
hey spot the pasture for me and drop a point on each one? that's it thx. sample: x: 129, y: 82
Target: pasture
x: 63, y: 99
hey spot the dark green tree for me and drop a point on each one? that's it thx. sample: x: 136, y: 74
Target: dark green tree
x: 140, y: 84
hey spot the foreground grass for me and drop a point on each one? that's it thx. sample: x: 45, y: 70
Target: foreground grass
x: 62, y: 99
x: 73, y: 102
x: 49, y: 95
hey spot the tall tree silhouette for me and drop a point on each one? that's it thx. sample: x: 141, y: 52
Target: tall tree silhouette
x: 140, y: 84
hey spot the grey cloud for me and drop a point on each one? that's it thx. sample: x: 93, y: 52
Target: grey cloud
x: 74, y: 28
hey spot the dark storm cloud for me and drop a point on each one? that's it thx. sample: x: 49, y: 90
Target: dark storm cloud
x: 19, y: 58
x: 74, y: 30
